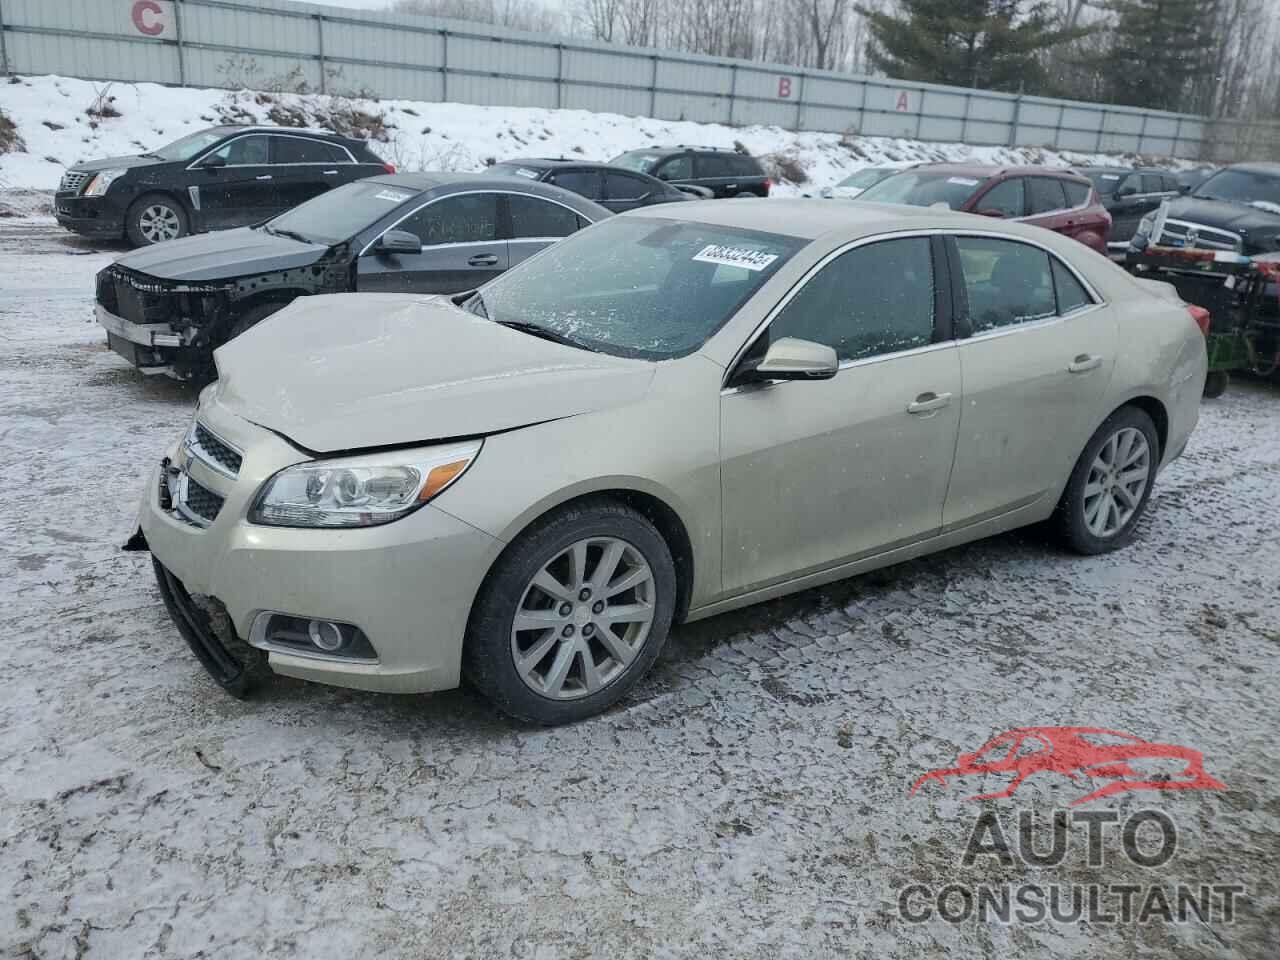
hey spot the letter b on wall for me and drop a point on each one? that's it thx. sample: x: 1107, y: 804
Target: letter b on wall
x: 784, y: 87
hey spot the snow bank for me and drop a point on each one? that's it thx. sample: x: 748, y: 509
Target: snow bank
x: 52, y: 117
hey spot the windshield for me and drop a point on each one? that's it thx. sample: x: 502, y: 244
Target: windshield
x: 191, y: 145
x: 1104, y: 182
x: 923, y: 189
x: 342, y: 212
x: 1241, y: 186
x: 864, y: 178
x: 638, y: 286
x: 514, y: 170
x: 638, y: 160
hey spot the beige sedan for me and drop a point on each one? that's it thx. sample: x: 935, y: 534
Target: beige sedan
x: 673, y: 413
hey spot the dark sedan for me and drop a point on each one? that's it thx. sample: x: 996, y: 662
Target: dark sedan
x: 166, y: 308
x: 1129, y: 195
x: 616, y: 188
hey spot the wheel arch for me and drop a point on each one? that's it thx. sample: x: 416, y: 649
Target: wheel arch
x: 1156, y: 410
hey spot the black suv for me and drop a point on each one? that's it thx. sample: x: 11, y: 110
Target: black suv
x: 1129, y: 195
x: 1236, y: 210
x: 614, y: 188
x: 726, y: 173
x: 221, y: 177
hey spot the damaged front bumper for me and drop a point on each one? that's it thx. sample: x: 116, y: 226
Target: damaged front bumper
x: 151, y: 347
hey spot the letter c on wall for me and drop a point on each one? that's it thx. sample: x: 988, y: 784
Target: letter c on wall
x: 148, y: 17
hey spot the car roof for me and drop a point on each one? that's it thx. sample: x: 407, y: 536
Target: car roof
x: 462, y: 182
x: 685, y: 147
x: 550, y: 162
x: 997, y: 170
x: 231, y: 128
x: 1270, y: 169
x: 810, y: 218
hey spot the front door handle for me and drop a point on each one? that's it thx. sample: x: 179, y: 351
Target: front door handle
x: 266, y: 176
x: 330, y: 173
x: 1084, y: 363
x: 929, y: 403
x: 483, y: 260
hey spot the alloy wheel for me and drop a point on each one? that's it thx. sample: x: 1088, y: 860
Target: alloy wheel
x: 583, y: 618
x: 1117, y: 480
x: 158, y: 222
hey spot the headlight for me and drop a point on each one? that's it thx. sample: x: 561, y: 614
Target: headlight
x: 101, y: 180
x: 360, y: 491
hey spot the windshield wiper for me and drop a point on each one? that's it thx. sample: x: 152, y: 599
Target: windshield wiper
x: 151, y: 156
x: 534, y: 330
x: 287, y: 234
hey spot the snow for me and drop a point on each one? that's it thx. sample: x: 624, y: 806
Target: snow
x: 749, y: 800
x: 50, y: 115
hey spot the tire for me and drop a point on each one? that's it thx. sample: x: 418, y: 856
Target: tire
x: 253, y: 316
x: 154, y: 218
x: 1215, y: 384
x: 1075, y: 520
x: 546, y: 550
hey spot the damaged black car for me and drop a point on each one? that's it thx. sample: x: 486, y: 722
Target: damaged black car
x: 166, y: 308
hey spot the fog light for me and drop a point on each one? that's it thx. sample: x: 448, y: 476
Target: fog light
x: 325, y: 635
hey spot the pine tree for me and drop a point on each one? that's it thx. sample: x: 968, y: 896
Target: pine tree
x: 988, y: 44
x: 1161, y: 55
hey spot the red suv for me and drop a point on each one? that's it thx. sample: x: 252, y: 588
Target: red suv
x: 1057, y: 200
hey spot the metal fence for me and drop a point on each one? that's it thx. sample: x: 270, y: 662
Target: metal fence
x: 285, y: 45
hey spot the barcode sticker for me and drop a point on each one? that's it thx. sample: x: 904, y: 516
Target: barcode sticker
x: 743, y: 257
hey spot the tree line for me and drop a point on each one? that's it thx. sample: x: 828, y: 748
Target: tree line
x: 1217, y: 57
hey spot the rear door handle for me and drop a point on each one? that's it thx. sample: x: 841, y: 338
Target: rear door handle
x: 929, y: 402
x: 263, y: 177
x: 483, y: 260
x: 330, y: 173
x: 1084, y: 363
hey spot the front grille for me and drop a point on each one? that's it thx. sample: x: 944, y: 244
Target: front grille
x: 106, y: 291
x: 201, y: 501
x: 211, y: 449
x: 1177, y: 233
x: 72, y: 181
x: 135, y: 298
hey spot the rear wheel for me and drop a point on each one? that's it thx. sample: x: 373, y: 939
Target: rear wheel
x: 573, y: 614
x: 154, y: 219
x: 1110, y: 485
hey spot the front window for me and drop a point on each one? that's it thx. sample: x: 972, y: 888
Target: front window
x: 190, y: 146
x: 637, y: 286
x: 921, y: 188
x: 1242, y: 186
x: 862, y: 179
x: 465, y: 218
x: 251, y: 150
x: 1106, y: 182
x: 638, y: 160
x: 341, y: 212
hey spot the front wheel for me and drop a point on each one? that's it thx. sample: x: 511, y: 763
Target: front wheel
x: 1110, y: 485
x: 154, y: 219
x: 573, y: 614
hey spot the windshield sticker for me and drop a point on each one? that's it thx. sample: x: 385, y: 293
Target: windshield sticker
x: 962, y: 181
x: 1111, y: 176
x: 395, y: 196
x: 526, y: 172
x: 743, y: 257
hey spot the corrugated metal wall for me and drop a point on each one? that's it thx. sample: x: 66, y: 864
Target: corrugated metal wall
x: 279, y: 44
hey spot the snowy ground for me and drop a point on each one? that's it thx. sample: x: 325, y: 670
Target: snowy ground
x: 750, y: 800
x: 50, y: 115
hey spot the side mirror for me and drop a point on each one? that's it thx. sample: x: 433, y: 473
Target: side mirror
x: 792, y: 359
x: 213, y: 161
x: 1126, y: 191
x: 663, y: 174
x: 1184, y: 188
x: 397, y: 241
x: 826, y: 192
x: 991, y: 212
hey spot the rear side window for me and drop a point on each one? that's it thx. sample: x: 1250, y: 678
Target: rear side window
x: 585, y: 183
x: 1152, y: 183
x: 300, y: 150
x: 1006, y: 282
x: 872, y: 300
x: 531, y: 217
x: 1077, y: 193
x: 676, y: 168
x: 1006, y: 197
x: 713, y: 165
x: 469, y: 218
x: 1044, y: 195
x: 744, y: 166
x: 621, y: 187
x: 1071, y: 294
x: 1171, y: 184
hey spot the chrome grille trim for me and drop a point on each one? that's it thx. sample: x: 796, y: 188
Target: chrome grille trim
x: 72, y: 180
x: 1207, y: 238
x: 214, y: 452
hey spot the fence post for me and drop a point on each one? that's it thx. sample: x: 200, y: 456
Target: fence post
x: 559, y: 75
x: 1142, y: 132
x: 920, y: 114
x: 1177, y: 135
x: 1057, y: 131
x: 324, y: 87
x: 444, y: 66
x: 964, y: 119
x: 177, y: 35
x: 1017, y: 118
x: 1102, y: 125
x: 653, y: 87
x: 800, y: 103
x: 4, y: 56
x: 733, y: 89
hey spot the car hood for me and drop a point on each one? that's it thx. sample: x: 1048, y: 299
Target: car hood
x: 222, y: 255
x: 115, y: 163
x: 1219, y: 213
x: 352, y: 371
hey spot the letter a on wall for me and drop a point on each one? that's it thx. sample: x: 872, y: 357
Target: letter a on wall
x: 903, y: 104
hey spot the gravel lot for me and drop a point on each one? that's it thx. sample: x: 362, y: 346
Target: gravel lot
x: 750, y: 800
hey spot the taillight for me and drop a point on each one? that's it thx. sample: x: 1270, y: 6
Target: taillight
x: 389, y: 167
x: 768, y: 185
x: 1201, y: 316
